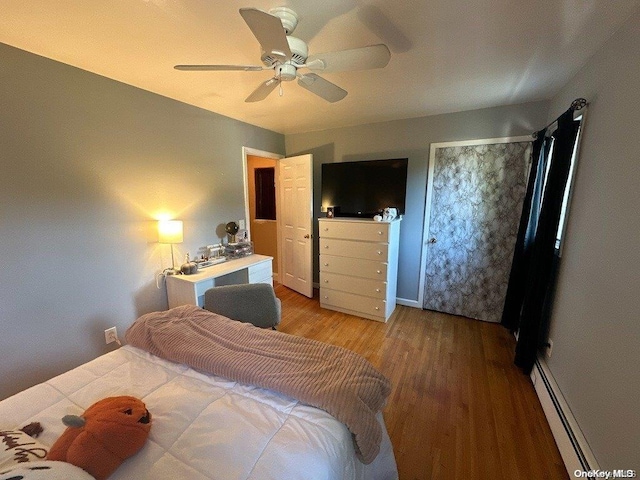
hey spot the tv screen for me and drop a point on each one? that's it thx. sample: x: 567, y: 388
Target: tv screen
x: 364, y: 189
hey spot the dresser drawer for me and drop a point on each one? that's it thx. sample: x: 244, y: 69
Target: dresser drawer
x: 356, y: 267
x: 362, y: 231
x: 359, y: 286
x: 350, y: 248
x: 356, y: 303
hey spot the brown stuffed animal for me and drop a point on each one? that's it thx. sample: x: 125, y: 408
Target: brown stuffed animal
x: 109, y: 431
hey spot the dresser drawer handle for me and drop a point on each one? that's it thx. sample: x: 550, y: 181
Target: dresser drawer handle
x: 378, y: 272
x: 377, y: 289
x: 326, y: 297
x: 377, y: 308
x: 326, y: 264
x: 326, y: 281
x: 379, y: 252
x: 326, y: 229
x: 379, y: 233
x: 326, y: 246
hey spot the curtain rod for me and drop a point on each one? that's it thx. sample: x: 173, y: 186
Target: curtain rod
x: 577, y: 104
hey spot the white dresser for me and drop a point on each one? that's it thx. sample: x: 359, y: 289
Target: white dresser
x: 359, y: 266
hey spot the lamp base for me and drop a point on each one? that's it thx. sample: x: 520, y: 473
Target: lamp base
x: 171, y: 271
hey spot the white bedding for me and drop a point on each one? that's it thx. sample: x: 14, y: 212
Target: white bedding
x: 204, y: 427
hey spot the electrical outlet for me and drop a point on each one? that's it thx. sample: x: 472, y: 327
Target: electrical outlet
x: 241, y: 224
x: 111, y: 335
x: 549, y: 348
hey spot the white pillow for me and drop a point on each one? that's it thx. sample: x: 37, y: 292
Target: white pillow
x: 18, y: 447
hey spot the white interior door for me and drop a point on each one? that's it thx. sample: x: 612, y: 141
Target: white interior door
x: 296, y: 223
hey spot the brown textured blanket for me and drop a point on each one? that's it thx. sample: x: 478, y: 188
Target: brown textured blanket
x: 325, y: 376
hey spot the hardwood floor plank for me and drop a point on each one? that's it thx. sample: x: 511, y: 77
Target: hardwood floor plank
x: 459, y: 408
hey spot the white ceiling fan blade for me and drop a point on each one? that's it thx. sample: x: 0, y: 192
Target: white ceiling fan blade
x: 219, y: 68
x: 269, y: 32
x: 363, y: 58
x: 262, y: 91
x: 321, y: 87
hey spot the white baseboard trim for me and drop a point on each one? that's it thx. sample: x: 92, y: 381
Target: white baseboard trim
x: 408, y: 303
x: 573, y: 446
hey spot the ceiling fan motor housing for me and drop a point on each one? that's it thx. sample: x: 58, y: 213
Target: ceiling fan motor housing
x: 299, y: 53
x: 288, y: 17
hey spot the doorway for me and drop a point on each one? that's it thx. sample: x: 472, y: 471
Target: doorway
x: 262, y: 223
x: 474, y: 200
x: 287, y: 237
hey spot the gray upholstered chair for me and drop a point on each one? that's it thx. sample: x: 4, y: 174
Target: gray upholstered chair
x: 249, y: 302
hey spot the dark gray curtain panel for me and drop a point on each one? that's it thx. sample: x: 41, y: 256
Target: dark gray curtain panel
x: 534, y: 267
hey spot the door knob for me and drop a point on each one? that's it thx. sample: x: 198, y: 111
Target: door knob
x: 307, y: 236
x: 433, y: 240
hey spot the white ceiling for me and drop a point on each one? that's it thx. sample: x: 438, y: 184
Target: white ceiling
x: 446, y: 55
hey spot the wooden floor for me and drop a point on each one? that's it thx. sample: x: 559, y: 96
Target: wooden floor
x: 459, y: 408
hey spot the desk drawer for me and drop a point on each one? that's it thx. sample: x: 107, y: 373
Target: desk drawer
x: 260, y: 273
x: 355, y: 249
x: 356, y: 267
x: 359, y: 286
x: 203, y: 286
x: 363, y: 231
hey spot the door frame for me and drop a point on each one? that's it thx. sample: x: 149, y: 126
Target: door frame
x: 428, y: 196
x: 246, y: 151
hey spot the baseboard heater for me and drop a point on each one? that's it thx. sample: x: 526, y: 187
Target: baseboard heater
x: 575, y: 451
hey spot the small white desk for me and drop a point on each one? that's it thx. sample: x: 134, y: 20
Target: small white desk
x: 189, y: 289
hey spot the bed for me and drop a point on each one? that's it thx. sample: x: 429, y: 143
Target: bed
x: 205, y: 426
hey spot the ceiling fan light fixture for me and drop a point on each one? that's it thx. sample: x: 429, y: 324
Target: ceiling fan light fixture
x: 286, y: 72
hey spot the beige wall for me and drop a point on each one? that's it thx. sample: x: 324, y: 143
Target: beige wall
x: 264, y: 233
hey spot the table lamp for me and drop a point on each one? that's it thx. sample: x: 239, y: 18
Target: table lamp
x: 170, y: 231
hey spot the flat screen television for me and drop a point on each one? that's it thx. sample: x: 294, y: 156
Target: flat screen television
x: 365, y: 188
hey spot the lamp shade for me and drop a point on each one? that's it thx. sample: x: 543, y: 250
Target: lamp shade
x: 170, y: 231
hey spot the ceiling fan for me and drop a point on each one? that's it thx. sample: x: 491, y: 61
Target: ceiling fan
x: 285, y: 55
